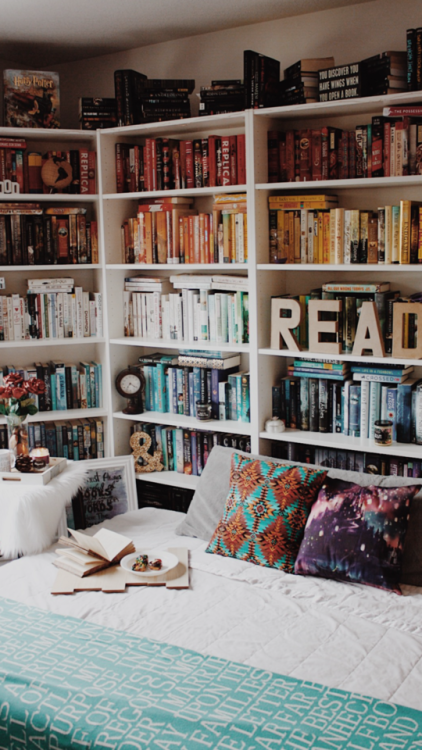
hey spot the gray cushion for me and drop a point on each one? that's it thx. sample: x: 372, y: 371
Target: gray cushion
x: 212, y: 489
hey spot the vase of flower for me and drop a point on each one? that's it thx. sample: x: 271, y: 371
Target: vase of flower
x: 16, y: 403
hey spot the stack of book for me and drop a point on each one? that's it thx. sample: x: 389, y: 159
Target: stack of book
x: 77, y: 440
x: 167, y: 164
x: 389, y: 146
x: 300, y: 84
x: 320, y: 396
x: 199, y: 312
x: 261, y: 77
x: 66, y: 386
x: 139, y: 99
x: 222, y: 96
x: 175, y: 385
x: 97, y: 112
x: 83, y: 554
x: 385, y: 73
x: 335, y: 458
x: 185, y: 450
x: 52, y: 308
x: 414, y: 59
x: 312, y: 229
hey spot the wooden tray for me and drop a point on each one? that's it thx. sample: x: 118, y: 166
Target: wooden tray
x: 115, y: 579
x: 55, y: 467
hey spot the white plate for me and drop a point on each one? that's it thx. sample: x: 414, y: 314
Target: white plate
x: 169, y: 561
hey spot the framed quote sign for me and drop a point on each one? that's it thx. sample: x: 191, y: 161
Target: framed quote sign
x: 109, y: 489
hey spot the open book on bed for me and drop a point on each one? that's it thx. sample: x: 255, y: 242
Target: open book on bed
x: 84, y: 554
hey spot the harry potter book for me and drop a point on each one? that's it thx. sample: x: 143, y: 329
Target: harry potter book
x: 31, y: 99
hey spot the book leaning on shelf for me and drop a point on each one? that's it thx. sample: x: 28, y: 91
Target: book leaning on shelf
x: 348, y: 460
x: 77, y: 440
x: 30, y: 235
x: 198, y: 312
x: 385, y: 147
x: 52, y: 308
x: 84, y: 554
x: 170, y: 164
x: 313, y: 229
x: 187, y: 450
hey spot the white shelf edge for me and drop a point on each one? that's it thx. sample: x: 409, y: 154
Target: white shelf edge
x: 358, y: 105
x: 52, y: 342
x: 161, y: 344
x: 48, y: 267
x: 367, y: 360
x: 228, y: 119
x: 353, y: 267
x: 364, y: 182
x: 206, y: 267
x: 67, y: 414
x: 170, y: 478
x: 49, y: 198
x: 45, y: 134
x: 183, y: 192
x: 343, y: 442
x: 179, y: 420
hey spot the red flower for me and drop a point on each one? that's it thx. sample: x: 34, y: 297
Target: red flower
x: 18, y: 392
x: 13, y: 379
x: 35, y: 385
x: 5, y: 393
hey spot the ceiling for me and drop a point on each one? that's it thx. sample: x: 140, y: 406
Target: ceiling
x: 41, y: 33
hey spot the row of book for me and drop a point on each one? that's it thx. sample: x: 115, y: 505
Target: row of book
x: 97, y: 113
x: 25, y: 169
x: 222, y: 96
x: 352, y: 296
x: 187, y: 451
x: 140, y: 99
x: 51, y: 309
x: 313, y: 229
x: 67, y: 386
x: 347, y: 460
x: 77, y: 440
x: 173, y: 387
x: 30, y: 235
x: 167, y: 164
x: 338, y: 398
x: 387, y: 147
x: 173, y: 232
x: 300, y: 83
x: 196, y: 313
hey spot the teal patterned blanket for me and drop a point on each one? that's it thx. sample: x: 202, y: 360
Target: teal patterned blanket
x: 65, y: 683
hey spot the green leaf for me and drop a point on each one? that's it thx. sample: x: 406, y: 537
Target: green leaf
x: 32, y: 409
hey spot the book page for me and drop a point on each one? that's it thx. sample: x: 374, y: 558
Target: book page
x: 89, y: 542
x: 112, y: 543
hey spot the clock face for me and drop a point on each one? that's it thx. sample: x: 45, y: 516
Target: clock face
x: 130, y: 383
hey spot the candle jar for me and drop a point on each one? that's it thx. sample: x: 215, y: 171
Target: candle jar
x: 203, y: 411
x: 40, y: 458
x: 383, y: 432
x: 275, y: 425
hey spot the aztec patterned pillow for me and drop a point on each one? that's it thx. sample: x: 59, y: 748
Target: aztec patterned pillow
x: 357, y: 534
x: 266, y: 511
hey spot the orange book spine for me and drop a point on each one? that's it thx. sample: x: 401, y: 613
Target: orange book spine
x: 148, y: 237
x: 207, y: 238
x: 326, y: 237
x: 191, y: 239
x: 196, y: 242
x: 186, y: 248
x: 202, y: 238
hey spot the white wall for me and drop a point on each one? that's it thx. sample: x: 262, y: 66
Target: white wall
x: 348, y: 33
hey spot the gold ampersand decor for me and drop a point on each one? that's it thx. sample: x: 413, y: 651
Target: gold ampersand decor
x: 151, y: 463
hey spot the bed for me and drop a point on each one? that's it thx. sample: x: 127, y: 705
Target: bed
x: 247, y: 657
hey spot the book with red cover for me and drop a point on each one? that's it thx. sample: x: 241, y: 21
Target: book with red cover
x: 290, y: 155
x: 241, y: 159
x: 233, y: 160
x: 83, y: 171
x: 212, y: 161
x: 316, y: 162
x: 189, y: 165
x: 91, y: 172
x: 225, y: 160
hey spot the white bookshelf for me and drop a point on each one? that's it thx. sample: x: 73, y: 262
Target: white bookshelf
x: 90, y: 276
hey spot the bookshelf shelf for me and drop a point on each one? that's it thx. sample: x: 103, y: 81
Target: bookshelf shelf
x: 339, y: 357
x: 46, y: 135
x: 343, y: 442
x: 343, y: 268
x: 4, y: 345
x: 178, y: 267
x: 182, y: 128
x: 179, y: 420
x: 185, y: 192
x: 49, y: 198
x: 161, y: 344
x: 53, y: 416
x: 171, y: 479
x: 362, y: 183
x: 58, y: 267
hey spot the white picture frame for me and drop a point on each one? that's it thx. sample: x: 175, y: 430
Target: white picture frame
x: 109, y: 490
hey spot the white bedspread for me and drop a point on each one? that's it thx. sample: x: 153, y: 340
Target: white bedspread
x: 347, y: 636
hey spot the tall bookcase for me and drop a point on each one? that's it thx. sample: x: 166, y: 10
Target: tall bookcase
x: 89, y: 276
x: 265, y: 365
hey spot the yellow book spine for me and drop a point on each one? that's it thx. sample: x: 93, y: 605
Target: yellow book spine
x: 404, y: 239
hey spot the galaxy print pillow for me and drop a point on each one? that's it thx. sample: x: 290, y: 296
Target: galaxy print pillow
x: 265, y: 512
x: 357, y: 534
